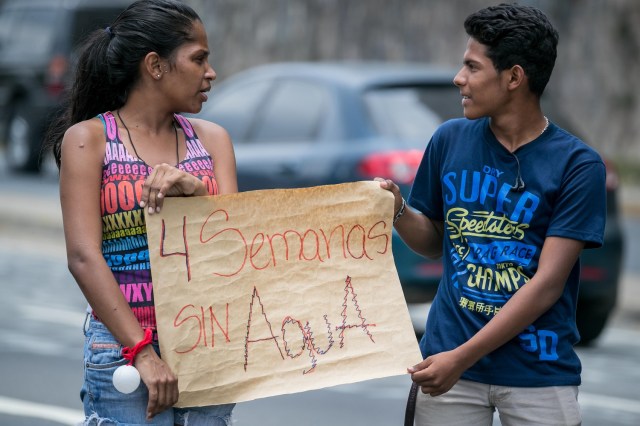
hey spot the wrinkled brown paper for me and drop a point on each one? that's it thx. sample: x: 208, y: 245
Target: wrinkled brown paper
x: 272, y: 292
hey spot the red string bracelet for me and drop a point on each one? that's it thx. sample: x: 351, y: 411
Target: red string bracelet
x: 130, y: 353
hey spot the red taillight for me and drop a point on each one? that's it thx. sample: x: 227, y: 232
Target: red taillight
x: 592, y: 273
x: 430, y: 269
x: 400, y: 166
x: 56, y: 73
x: 612, y: 180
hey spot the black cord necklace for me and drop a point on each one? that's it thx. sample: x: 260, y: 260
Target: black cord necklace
x: 173, y: 124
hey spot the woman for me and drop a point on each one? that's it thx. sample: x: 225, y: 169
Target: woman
x: 120, y: 148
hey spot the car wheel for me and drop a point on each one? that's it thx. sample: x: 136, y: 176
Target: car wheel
x: 22, y: 154
x: 590, y: 323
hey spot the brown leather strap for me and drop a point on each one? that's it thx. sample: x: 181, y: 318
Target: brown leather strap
x: 410, y: 412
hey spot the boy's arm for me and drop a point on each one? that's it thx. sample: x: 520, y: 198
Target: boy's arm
x: 420, y: 234
x: 438, y: 373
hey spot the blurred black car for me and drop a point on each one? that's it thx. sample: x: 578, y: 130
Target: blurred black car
x: 37, y: 42
x: 309, y: 124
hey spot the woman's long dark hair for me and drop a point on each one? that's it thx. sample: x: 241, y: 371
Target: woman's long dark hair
x: 109, y: 60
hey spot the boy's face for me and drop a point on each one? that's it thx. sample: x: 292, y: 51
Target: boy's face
x: 482, y: 87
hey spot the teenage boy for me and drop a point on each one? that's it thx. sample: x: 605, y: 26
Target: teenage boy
x: 508, y: 199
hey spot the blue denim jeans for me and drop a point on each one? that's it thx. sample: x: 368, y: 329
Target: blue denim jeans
x: 104, y: 405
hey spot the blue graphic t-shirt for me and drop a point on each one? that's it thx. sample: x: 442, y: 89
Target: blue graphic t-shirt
x: 494, y: 236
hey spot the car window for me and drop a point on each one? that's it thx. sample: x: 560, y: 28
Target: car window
x: 412, y: 113
x: 235, y: 109
x: 293, y: 113
x: 27, y: 31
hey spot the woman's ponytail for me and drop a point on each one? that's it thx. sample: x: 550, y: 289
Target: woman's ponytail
x: 92, y: 90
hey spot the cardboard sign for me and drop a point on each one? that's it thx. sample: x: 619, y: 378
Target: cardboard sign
x: 278, y: 291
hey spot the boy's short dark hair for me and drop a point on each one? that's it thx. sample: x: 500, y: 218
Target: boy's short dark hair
x: 517, y: 35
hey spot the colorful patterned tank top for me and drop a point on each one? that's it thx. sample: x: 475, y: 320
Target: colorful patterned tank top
x: 124, y: 239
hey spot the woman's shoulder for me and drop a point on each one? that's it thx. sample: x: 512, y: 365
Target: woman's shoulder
x: 207, y: 128
x: 212, y: 136
x: 86, y: 130
x: 87, y: 136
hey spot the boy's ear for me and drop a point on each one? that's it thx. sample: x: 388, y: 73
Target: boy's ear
x: 516, y: 77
